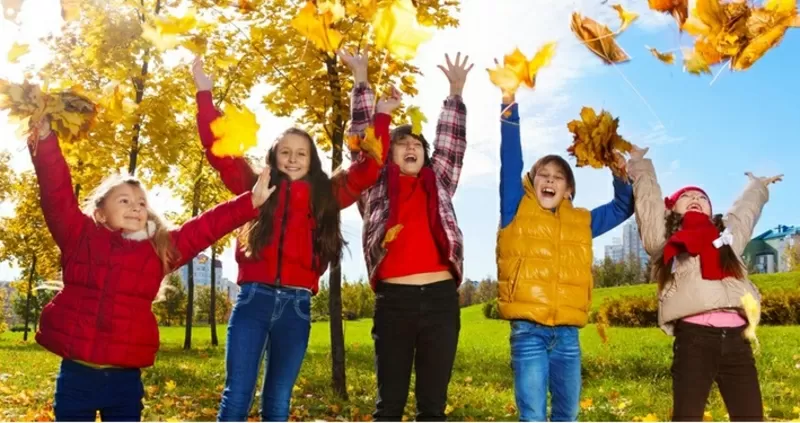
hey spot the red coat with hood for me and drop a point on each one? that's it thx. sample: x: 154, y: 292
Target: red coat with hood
x: 103, y: 313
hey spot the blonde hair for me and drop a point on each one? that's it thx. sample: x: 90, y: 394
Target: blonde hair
x: 160, y: 239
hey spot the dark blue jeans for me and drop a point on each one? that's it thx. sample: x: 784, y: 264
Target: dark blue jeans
x: 273, y: 323
x: 82, y: 391
x: 546, y: 358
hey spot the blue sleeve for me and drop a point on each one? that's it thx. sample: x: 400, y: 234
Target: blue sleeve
x: 511, y: 190
x: 610, y: 215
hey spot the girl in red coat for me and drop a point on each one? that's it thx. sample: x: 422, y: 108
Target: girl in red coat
x: 283, y: 253
x: 114, y: 256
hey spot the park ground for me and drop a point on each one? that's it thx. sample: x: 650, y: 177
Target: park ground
x: 625, y: 379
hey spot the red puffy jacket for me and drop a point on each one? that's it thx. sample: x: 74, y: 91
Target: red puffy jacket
x: 103, y: 314
x: 288, y: 259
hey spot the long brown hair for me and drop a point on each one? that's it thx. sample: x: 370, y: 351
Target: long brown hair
x: 728, y: 260
x: 327, y: 237
x: 160, y: 239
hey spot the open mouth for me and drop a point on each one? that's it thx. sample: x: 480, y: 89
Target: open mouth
x: 548, y: 192
x: 694, y: 207
x: 410, y: 158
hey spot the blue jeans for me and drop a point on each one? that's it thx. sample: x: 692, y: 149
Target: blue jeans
x: 546, y: 357
x: 268, y: 322
x: 82, y: 391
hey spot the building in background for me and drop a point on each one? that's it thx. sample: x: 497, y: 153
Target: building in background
x: 614, y: 251
x: 629, y: 245
x: 12, y: 319
x: 202, y: 272
x: 231, y: 288
x: 766, y: 253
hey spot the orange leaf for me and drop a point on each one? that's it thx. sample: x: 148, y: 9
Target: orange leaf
x: 668, y: 58
x: 759, y: 46
x: 598, y: 38
x: 596, y: 142
x: 391, y: 234
x: 678, y: 8
x: 694, y: 63
x: 517, y: 69
x: 316, y: 28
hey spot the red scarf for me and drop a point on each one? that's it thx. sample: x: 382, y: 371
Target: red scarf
x: 696, y: 237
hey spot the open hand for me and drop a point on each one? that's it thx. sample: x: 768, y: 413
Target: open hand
x: 262, y: 190
x: 456, y: 73
x: 201, y: 81
x: 388, y: 104
x: 764, y: 180
x: 637, y: 153
x: 357, y: 62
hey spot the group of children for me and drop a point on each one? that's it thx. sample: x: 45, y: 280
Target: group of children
x: 117, y: 251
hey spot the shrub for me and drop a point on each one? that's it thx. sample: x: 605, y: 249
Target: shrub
x: 491, y: 309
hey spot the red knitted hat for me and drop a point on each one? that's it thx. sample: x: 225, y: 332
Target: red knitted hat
x: 670, y: 201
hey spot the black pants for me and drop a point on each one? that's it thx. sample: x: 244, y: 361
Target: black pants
x: 416, y: 325
x: 704, y: 355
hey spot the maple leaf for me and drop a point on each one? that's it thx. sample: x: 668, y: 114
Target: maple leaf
x: 518, y: 70
x: 162, y: 42
x: 651, y: 418
x: 625, y: 16
x: 679, y: 9
x: 372, y: 145
x: 417, y: 117
x: 391, y: 234
x: 334, y: 9
x: 596, y: 142
x: 11, y: 9
x: 707, y: 52
x: 542, y: 58
x: 177, y: 25
x: 694, y: 63
x: 668, y: 58
x: 17, y: 50
x: 70, y: 10
x: 752, y: 310
x: 586, y: 403
x: 316, y: 28
x: 781, y: 6
x: 364, y: 8
x: 396, y: 29
x: 758, y: 47
x: 170, y: 386
x: 246, y: 6
x: 197, y: 44
x: 598, y: 38
x: 236, y: 132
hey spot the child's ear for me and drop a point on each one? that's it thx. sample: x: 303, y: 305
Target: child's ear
x: 99, y: 216
x: 569, y: 193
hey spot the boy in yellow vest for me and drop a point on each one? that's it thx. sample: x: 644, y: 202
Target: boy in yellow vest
x: 544, y: 270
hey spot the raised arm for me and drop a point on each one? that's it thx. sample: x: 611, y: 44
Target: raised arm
x: 235, y: 172
x: 746, y: 210
x: 60, y: 207
x: 365, y: 170
x: 511, y: 164
x: 451, y: 129
x: 614, y: 213
x: 648, y: 203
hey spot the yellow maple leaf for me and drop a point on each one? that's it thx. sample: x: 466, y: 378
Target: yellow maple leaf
x: 586, y: 403
x: 333, y: 8
x: 70, y: 10
x: 316, y: 28
x: 542, y: 58
x: 650, y: 418
x: 236, y: 132
x: 758, y: 46
x: 170, y: 386
x: 162, y: 42
x: 372, y: 145
x: 706, y: 18
x: 518, y: 70
x: 596, y: 142
x: 177, y: 25
x: 391, y: 234
x: 668, y: 58
x: 781, y: 6
x: 17, y: 50
x: 505, y: 79
x: 417, y: 117
x: 627, y: 17
x: 694, y: 63
x: 397, y: 30
x: 752, y: 310
x: 197, y: 44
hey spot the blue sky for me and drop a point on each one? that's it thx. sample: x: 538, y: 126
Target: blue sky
x: 710, y: 135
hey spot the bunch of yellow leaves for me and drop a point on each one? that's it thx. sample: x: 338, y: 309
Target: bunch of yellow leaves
x: 596, y: 142
x: 235, y: 131
x: 518, y: 70
x: 314, y: 22
x: 397, y: 29
x: 753, y: 311
x: 71, y: 114
x: 736, y: 31
x: 369, y: 144
x: 164, y: 32
x: 598, y: 38
x: 364, y: 8
x: 679, y: 9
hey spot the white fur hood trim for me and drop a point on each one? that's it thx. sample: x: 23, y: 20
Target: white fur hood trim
x: 142, y: 235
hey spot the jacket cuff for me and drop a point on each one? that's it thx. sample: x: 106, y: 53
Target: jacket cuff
x: 510, y: 113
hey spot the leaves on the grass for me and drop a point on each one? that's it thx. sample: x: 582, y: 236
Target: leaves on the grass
x: 17, y: 50
x: 236, y: 132
x: 668, y: 58
x: 679, y: 9
x: 598, y: 38
x: 315, y: 22
x: 71, y: 114
x: 417, y: 117
x: 518, y: 70
x: 596, y: 142
x: 396, y: 28
x: 625, y: 16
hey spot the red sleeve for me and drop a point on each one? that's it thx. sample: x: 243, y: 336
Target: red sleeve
x: 202, y: 231
x: 235, y: 172
x: 57, y: 198
x: 365, y: 170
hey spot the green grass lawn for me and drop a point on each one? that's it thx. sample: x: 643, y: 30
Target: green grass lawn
x: 625, y: 379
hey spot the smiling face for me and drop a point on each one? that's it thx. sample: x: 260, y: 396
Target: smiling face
x: 124, y: 208
x: 552, y: 184
x: 693, y: 200
x: 293, y: 155
x: 409, y: 154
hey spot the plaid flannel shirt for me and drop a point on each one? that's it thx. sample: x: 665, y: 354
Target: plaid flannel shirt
x: 447, y: 160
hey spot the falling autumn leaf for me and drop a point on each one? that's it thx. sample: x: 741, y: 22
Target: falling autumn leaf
x: 759, y: 46
x: 668, y: 58
x: 177, y: 25
x: 246, y: 6
x: 316, y: 27
x: 625, y: 16
x: 417, y: 117
x: 236, y: 132
x: 694, y: 63
x: 162, y: 42
x: 197, y: 44
x: 598, y: 38
x: 679, y: 9
x: 596, y: 142
x: 334, y: 8
x: 518, y: 70
x: 396, y: 29
x: 391, y: 234
x: 17, y: 50
x: 372, y: 145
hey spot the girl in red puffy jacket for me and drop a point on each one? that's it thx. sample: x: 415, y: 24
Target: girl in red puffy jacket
x: 114, y: 256
x: 283, y: 253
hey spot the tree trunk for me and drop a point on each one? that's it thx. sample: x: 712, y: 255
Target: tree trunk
x: 339, y: 381
x: 187, y: 342
x: 28, y: 297
x: 212, y: 315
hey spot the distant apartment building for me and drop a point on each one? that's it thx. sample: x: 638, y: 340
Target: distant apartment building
x: 766, y: 253
x: 615, y: 251
x: 202, y: 272
x: 629, y: 246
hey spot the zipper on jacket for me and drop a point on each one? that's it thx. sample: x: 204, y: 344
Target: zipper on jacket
x: 283, y: 232
x: 558, y: 266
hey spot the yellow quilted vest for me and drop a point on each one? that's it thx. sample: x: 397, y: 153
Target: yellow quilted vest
x: 544, y: 263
